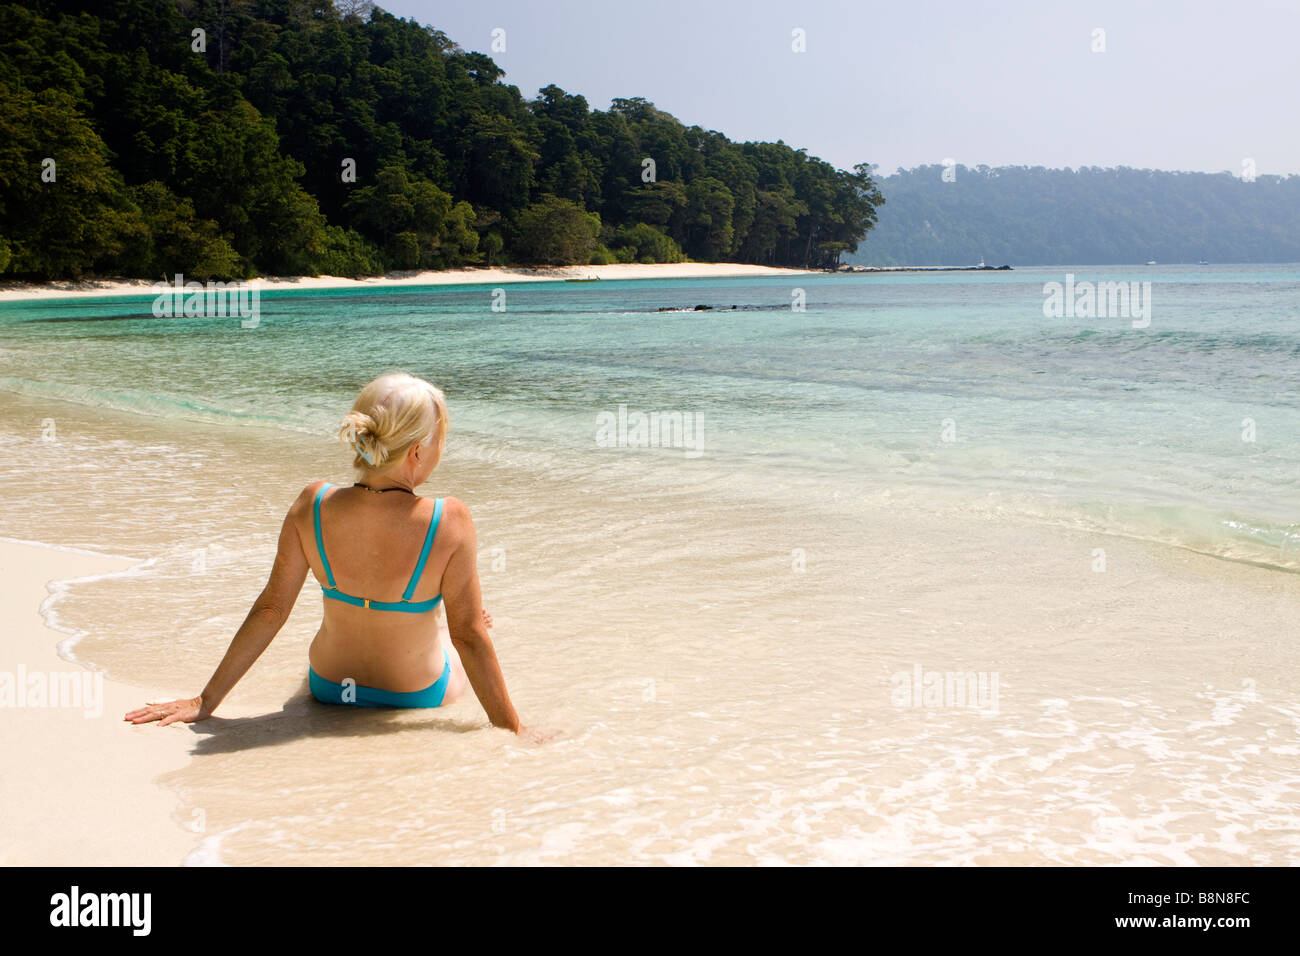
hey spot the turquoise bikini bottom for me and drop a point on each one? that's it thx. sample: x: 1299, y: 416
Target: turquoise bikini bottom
x: 328, y: 692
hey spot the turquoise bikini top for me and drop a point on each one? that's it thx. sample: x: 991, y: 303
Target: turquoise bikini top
x: 405, y: 604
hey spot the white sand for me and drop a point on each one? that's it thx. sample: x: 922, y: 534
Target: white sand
x: 77, y: 785
x: 98, y: 288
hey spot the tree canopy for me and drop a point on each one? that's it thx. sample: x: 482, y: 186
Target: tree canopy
x: 227, y: 138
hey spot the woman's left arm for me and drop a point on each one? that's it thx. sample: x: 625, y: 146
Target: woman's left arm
x: 265, y: 618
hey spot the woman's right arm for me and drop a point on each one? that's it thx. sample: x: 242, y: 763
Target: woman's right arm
x: 463, y: 601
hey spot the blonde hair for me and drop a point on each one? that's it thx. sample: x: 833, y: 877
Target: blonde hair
x: 391, y: 414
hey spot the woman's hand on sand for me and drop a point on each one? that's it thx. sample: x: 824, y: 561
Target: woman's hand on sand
x: 170, y: 712
x: 538, y: 735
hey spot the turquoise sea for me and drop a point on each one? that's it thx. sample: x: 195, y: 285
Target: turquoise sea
x: 1186, y: 431
x: 916, y: 474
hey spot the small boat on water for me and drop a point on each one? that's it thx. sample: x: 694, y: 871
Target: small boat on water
x: 588, y: 279
x: 1151, y: 262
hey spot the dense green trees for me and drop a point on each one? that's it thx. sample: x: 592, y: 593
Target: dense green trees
x: 63, y: 208
x: 557, y: 231
x: 1034, y: 216
x: 229, y: 137
x: 418, y: 225
x: 171, y: 233
x: 643, y: 243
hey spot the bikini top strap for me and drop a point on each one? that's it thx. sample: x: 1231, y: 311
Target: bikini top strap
x: 424, y: 554
x: 320, y: 543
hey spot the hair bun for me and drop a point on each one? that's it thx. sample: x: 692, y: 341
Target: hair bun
x: 361, y: 433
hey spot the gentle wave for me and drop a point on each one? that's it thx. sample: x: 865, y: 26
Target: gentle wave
x: 141, y: 402
x: 1102, y: 426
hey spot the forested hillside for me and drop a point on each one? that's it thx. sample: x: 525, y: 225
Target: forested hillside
x: 226, y: 138
x: 1034, y: 216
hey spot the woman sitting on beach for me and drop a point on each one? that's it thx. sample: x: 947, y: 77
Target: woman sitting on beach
x: 386, y: 558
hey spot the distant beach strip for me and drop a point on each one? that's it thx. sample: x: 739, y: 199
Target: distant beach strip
x: 12, y: 291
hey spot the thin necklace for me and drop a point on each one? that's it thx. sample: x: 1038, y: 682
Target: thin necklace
x: 357, y: 484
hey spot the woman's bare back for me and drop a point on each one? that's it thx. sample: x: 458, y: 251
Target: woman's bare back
x: 373, y: 543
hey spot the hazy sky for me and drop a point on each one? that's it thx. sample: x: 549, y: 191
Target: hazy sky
x: 1194, y: 85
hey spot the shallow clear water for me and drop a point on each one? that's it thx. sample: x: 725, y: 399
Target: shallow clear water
x: 952, y: 380
x: 916, y: 471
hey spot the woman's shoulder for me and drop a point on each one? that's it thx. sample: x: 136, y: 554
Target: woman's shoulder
x: 309, y: 493
x: 307, y: 497
x: 453, y: 509
x: 455, y: 518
